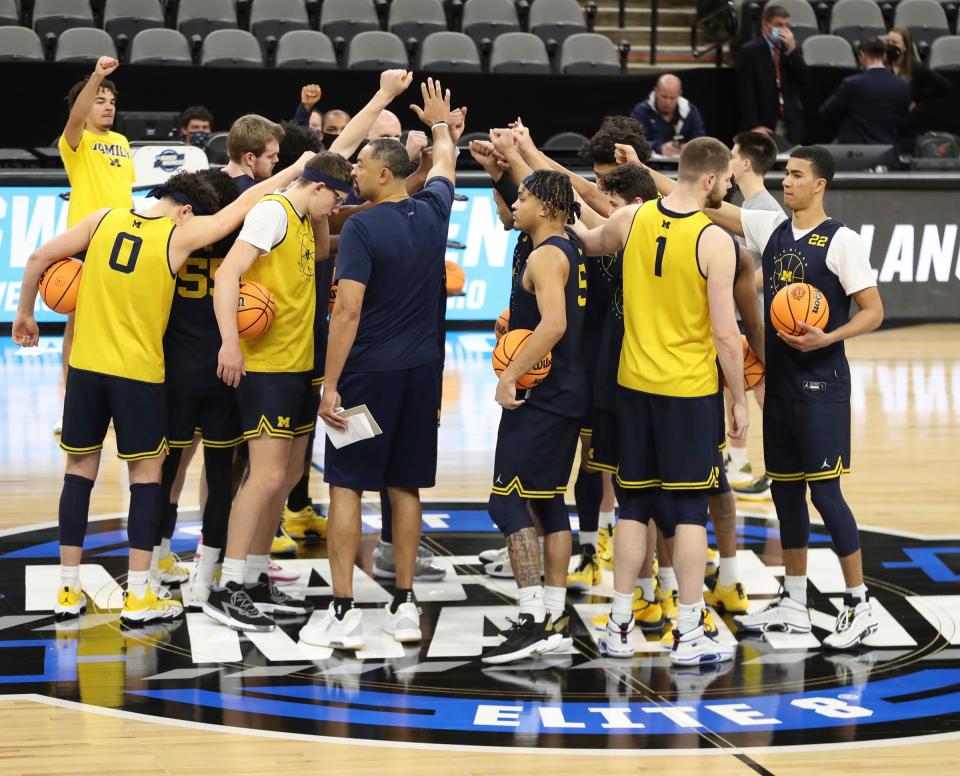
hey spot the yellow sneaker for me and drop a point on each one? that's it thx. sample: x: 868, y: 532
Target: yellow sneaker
x: 709, y: 628
x: 729, y: 599
x: 283, y: 544
x: 586, y: 576
x: 171, y: 572
x: 605, y: 548
x: 305, y: 524
x: 71, y: 602
x: 148, y: 608
x: 713, y: 562
x: 647, y: 614
x: 668, y: 600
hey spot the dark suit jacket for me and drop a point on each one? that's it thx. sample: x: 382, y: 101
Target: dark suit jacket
x: 757, y: 88
x: 870, y: 107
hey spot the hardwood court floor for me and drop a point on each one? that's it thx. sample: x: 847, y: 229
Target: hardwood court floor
x: 906, y: 430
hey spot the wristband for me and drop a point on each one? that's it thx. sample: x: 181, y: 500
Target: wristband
x: 436, y: 124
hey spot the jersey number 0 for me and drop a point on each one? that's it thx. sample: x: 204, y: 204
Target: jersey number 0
x: 124, y: 258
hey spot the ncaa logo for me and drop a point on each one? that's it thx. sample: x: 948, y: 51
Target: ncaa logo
x: 169, y: 160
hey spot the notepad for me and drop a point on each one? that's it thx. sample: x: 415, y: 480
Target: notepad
x: 360, y: 425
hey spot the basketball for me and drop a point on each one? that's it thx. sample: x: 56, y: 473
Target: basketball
x: 509, y: 345
x: 60, y: 283
x: 753, y: 369
x: 255, y: 310
x: 332, y: 298
x: 502, y: 324
x: 456, y: 279
x: 799, y: 302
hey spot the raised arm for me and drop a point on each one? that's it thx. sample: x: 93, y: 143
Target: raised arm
x: 392, y: 83
x: 73, y: 131
x: 505, y: 144
x: 610, y: 236
x: 435, y: 114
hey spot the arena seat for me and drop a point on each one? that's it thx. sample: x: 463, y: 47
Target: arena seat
x: 416, y: 18
x: 52, y: 17
x: 925, y: 19
x: 201, y: 17
x: 346, y: 18
x: 273, y: 18
x: 128, y: 17
x: 486, y: 19
x: 20, y: 44
x: 565, y: 141
x: 828, y: 51
x: 84, y: 44
x: 216, y: 148
x: 520, y: 53
x: 306, y: 49
x: 449, y: 52
x: 856, y: 20
x: 159, y: 47
x: 589, y: 53
x: 945, y: 53
x: 377, y: 50
x: 556, y: 19
x: 9, y: 13
x: 231, y: 48
x: 803, y: 20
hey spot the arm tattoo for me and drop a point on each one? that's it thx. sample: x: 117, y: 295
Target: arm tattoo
x: 524, y: 549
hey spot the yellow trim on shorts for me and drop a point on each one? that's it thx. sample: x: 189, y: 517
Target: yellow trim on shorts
x: 218, y: 445
x: 315, y: 381
x: 586, y: 432
x: 637, y: 484
x: 784, y: 476
x: 711, y: 482
x: 515, y: 486
x: 837, y: 471
x: 81, y: 450
x: 265, y: 427
x: 179, y: 444
x: 162, y: 449
x: 596, y: 466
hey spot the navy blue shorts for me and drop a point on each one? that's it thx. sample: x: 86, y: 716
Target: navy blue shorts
x: 723, y: 484
x: 275, y: 403
x: 404, y: 403
x: 215, y: 415
x: 667, y: 442
x: 604, y: 442
x: 535, y: 452
x: 138, y: 409
x: 805, y: 440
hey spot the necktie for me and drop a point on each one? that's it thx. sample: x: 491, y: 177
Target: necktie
x: 777, y: 54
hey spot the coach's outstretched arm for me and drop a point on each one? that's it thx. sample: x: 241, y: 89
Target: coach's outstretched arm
x: 435, y: 113
x: 392, y: 84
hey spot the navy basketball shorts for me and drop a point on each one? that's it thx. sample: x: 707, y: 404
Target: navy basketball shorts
x: 404, y: 403
x: 805, y: 440
x: 723, y: 484
x: 604, y: 442
x: 667, y: 442
x: 276, y: 404
x: 214, y: 414
x: 535, y: 452
x: 588, y: 421
x: 138, y: 409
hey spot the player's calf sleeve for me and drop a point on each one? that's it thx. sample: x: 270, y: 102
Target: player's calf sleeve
x: 168, y: 474
x: 790, y: 501
x: 689, y: 507
x: 386, y: 517
x: 552, y: 514
x: 509, y: 513
x: 169, y: 523
x: 663, y: 515
x: 837, y: 517
x: 146, y: 515
x: 74, y: 509
x: 637, y: 504
x: 299, y: 497
x: 588, y: 493
x: 218, y: 464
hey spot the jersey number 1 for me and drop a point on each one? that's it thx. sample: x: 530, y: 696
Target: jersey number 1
x: 125, y: 260
x: 658, y: 265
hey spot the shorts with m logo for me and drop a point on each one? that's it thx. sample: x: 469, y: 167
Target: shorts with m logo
x: 278, y: 404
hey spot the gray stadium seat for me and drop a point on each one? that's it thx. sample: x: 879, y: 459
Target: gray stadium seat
x: 519, y: 52
x: 231, y: 48
x: 565, y: 141
x: 9, y: 13
x: 556, y: 19
x: 449, y: 52
x: 201, y: 17
x: 216, y: 148
x: 273, y: 18
x: 306, y: 49
x: 159, y: 47
x: 51, y: 17
x: 376, y: 50
x: 345, y: 18
x: 803, y: 21
x: 945, y: 53
x: 925, y: 19
x: 20, y: 44
x: 828, y: 51
x: 589, y: 53
x: 489, y: 18
x: 416, y: 18
x: 84, y: 44
x: 857, y: 20
x: 128, y: 17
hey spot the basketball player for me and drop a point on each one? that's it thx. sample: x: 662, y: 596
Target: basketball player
x: 117, y: 366
x: 97, y: 159
x: 678, y: 318
x: 253, y: 145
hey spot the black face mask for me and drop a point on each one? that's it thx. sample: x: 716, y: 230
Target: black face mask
x: 328, y: 138
x: 199, y: 139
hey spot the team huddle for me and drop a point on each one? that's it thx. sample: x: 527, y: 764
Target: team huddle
x: 629, y: 287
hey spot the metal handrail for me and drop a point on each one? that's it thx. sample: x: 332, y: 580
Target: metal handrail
x: 726, y: 11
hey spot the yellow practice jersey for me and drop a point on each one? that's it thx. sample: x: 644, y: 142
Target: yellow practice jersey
x: 124, y: 299
x: 100, y: 173
x: 288, y: 272
x: 668, y: 340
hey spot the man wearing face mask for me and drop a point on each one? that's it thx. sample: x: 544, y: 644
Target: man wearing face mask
x: 771, y: 74
x: 196, y: 124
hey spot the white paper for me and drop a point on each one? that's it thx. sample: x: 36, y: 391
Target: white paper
x: 360, y: 426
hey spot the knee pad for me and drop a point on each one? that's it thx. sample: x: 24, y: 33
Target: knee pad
x: 790, y: 501
x: 588, y: 493
x: 637, y: 504
x: 74, y: 509
x: 690, y: 507
x: 663, y: 515
x: 552, y: 514
x: 837, y: 517
x: 146, y: 515
x: 509, y: 513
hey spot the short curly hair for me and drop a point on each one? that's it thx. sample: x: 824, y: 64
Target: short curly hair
x: 599, y: 149
x: 196, y: 187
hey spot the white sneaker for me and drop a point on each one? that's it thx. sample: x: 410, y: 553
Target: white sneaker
x: 695, y: 648
x: 199, y: 593
x: 855, y: 623
x: 783, y: 615
x: 328, y: 631
x: 739, y: 476
x: 616, y: 641
x: 404, y: 624
x: 493, y: 556
x: 499, y: 568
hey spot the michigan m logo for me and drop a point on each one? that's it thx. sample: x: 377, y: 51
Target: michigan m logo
x: 283, y: 422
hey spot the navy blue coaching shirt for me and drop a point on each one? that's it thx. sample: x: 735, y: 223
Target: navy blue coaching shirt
x: 397, y: 250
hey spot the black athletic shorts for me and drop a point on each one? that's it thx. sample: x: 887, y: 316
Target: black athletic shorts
x: 589, y: 419
x: 275, y: 403
x: 723, y: 484
x: 604, y: 442
x: 138, y: 409
x: 805, y: 440
x: 667, y: 442
x: 404, y: 403
x: 535, y: 452
x: 215, y: 415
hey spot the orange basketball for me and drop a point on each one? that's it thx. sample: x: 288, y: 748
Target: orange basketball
x: 753, y: 369
x: 60, y: 283
x: 255, y: 310
x: 456, y: 279
x: 799, y: 302
x: 333, y: 298
x: 502, y: 325
x: 509, y: 345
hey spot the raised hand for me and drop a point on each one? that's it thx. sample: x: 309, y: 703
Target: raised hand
x: 436, y: 103
x: 310, y: 95
x: 625, y: 154
x: 395, y: 82
x: 503, y: 140
x: 457, y: 122
x: 105, y: 66
x: 416, y: 142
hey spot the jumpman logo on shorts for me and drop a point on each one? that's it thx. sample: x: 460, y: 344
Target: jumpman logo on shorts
x: 825, y: 465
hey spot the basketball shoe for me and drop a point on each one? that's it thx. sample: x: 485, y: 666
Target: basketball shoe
x: 71, y: 602
x: 585, y: 576
x: 281, y: 576
x: 524, y: 638
x: 605, y: 547
x: 706, y: 622
x: 758, y: 490
x: 727, y: 599
x: 305, y: 524
x: 616, y: 640
x: 855, y: 623
x: 171, y: 572
x: 231, y: 605
x: 713, y: 562
x: 328, y: 631
x: 782, y: 615
x: 493, y: 556
x: 738, y: 476
x: 138, y: 610
x: 697, y: 647
x: 385, y: 564
x: 669, y: 601
x: 648, y: 615
x: 282, y: 543
x: 270, y: 599
x: 561, y: 626
x: 403, y: 624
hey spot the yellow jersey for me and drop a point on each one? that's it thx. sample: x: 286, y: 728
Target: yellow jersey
x: 124, y: 298
x: 288, y: 272
x: 668, y: 340
x: 100, y: 172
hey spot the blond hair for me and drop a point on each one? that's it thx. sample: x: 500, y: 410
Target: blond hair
x: 250, y: 135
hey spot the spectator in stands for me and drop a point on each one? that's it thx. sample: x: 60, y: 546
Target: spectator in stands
x: 926, y: 86
x: 771, y: 74
x: 308, y: 113
x: 196, y: 124
x: 870, y: 107
x: 253, y: 146
x: 669, y: 120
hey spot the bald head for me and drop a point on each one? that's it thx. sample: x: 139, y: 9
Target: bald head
x: 386, y: 125
x: 334, y: 121
x: 666, y: 93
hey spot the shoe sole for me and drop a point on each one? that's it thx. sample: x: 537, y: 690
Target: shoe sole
x: 405, y: 635
x: 488, y: 558
x: 281, y: 609
x: 709, y: 658
x: 500, y: 574
x: 138, y: 620
x: 331, y: 644
x: 854, y: 645
x: 537, y: 648
x: 284, y: 581
x: 604, y: 650
x: 223, y: 619
x: 774, y: 628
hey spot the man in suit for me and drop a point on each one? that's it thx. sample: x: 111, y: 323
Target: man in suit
x: 872, y: 106
x: 771, y: 75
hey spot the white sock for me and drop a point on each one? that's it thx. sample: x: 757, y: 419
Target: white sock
x: 554, y: 599
x: 859, y: 592
x: 164, y: 548
x: 232, y: 571
x: 384, y: 543
x: 70, y: 576
x: 689, y: 616
x: 531, y: 602
x: 647, y: 587
x: 588, y: 537
x: 137, y: 582
x: 207, y: 567
x: 622, y: 610
x: 668, y: 579
x: 256, y: 565
x: 738, y: 456
x: 154, y: 570
x: 796, y: 588
x: 607, y: 519
x: 728, y: 571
